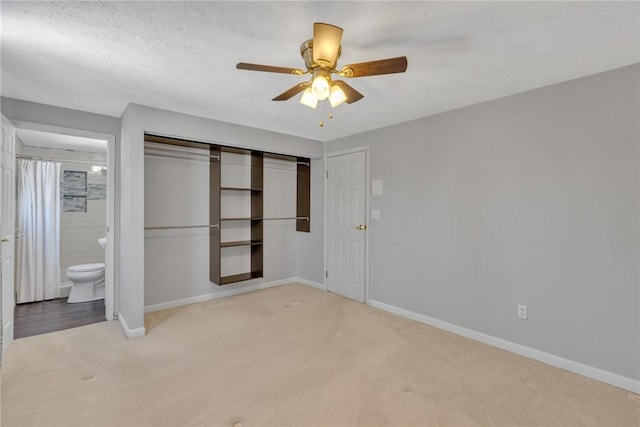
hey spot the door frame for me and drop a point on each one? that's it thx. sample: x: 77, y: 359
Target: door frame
x: 10, y: 302
x: 367, y: 189
x: 110, y: 290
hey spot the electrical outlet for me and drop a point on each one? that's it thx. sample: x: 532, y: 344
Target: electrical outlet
x: 522, y: 312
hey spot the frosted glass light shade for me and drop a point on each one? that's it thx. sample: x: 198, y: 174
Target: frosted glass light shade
x: 337, y: 96
x: 309, y: 99
x: 320, y: 87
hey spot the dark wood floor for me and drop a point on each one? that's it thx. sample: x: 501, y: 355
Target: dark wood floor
x: 55, y: 315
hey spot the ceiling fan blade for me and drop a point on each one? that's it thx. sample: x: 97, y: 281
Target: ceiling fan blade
x: 326, y: 44
x: 375, y: 68
x: 352, y: 94
x: 267, y: 68
x: 291, y: 92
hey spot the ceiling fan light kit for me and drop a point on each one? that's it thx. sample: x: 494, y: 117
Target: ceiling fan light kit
x: 320, y: 56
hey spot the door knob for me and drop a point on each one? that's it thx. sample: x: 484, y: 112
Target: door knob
x: 361, y: 227
x: 4, y: 240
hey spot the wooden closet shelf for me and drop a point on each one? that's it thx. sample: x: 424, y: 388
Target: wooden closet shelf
x: 224, y: 280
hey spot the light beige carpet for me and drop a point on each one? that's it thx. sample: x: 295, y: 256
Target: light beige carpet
x: 291, y: 356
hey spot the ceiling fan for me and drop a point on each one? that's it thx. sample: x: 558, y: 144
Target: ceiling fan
x: 320, y: 56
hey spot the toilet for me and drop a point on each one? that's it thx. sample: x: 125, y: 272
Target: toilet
x: 88, y: 282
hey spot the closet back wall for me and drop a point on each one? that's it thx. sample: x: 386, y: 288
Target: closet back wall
x: 177, y: 193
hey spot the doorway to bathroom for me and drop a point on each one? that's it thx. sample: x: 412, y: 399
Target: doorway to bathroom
x: 64, y: 214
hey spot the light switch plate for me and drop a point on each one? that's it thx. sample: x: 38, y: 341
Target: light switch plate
x: 375, y: 214
x: 377, y: 187
x: 523, y: 312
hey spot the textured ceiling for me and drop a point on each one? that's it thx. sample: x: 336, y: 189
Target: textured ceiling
x: 181, y: 56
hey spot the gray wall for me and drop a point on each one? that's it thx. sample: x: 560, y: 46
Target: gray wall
x: 25, y: 111
x: 530, y: 199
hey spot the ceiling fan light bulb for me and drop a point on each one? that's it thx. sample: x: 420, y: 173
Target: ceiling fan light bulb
x: 320, y: 87
x: 309, y: 99
x: 337, y: 96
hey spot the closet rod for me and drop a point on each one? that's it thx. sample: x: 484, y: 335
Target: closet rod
x: 306, y: 218
x: 215, y: 157
x: 212, y: 156
x: 175, y: 227
x: 18, y: 156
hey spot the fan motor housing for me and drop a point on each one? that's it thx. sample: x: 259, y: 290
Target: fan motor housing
x: 306, y: 50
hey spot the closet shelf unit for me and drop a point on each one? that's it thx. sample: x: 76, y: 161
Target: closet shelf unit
x: 253, y: 221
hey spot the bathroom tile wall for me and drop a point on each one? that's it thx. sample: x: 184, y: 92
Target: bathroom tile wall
x: 79, y: 231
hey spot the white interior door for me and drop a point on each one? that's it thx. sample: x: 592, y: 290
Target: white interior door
x: 7, y: 228
x: 346, y: 224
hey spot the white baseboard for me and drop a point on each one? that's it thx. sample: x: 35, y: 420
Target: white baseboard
x: 215, y: 295
x: 550, y: 359
x: 230, y: 292
x: 130, y: 333
x: 309, y: 283
x: 7, y: 336
x: 65, y: 289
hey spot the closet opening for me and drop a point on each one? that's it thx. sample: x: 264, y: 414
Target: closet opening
x: 239, y: 202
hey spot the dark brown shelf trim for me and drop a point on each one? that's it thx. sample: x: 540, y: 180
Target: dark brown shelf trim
x: 225, y: 280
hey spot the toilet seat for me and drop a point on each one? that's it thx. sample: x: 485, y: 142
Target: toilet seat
x: 85, y: 268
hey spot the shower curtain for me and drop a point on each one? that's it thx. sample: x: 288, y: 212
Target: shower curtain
x: 38, y: 234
